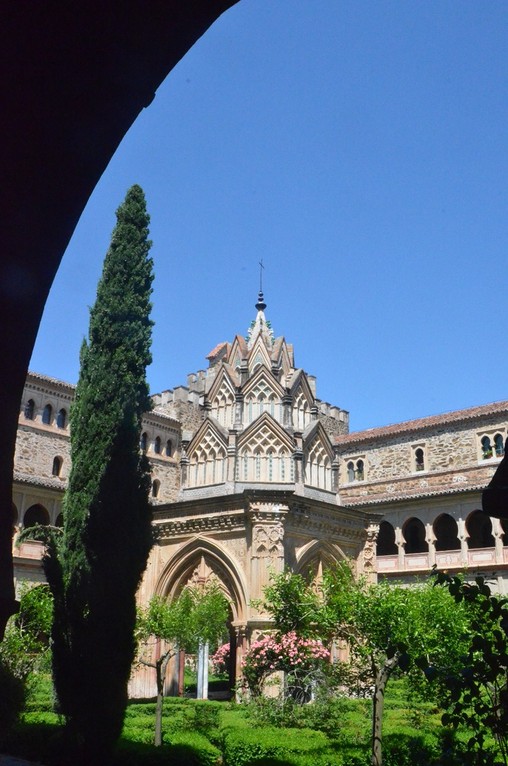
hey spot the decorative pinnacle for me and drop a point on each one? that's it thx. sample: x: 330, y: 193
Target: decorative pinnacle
x: 261, y: 305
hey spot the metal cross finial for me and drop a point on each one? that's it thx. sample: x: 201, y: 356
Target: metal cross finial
x: 261, y: 267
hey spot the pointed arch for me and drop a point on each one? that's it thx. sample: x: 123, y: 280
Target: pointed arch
x: 259, y: 356
x: 318, y: 457
x: 207, y: 456
x: 222, y: 399
x: 264, y: 452
x: 180, y: 569
x: 262, y: 394
x: 318, y: 554
x: 303, y: 401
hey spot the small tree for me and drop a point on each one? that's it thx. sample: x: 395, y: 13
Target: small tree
x: 26, y: 640
x: 476, y: 693
x: 23, y: 651
x: 168, y: 626
x: 387, y: 627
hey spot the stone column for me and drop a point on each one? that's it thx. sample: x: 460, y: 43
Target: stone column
x: 287, y: 410
x: 202, y: 685
x: 335, y: 470
x: 231, y: 466
x: 239, y: 399
x: 369, y: 552
x: 400, y: 543
x: 497, y: 532
x: 184, y: 465
x: 463, y: 537
x: 430, y: 539
x: 241, y: 650
x: 267, y: 543
x: 244, y: 371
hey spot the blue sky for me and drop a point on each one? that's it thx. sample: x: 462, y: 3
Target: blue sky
x: 360, y: 148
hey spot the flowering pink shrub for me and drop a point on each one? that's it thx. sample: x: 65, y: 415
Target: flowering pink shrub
x: 289, y: 653
x: 220, y: 660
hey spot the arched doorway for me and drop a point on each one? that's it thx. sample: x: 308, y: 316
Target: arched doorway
x: 200, y: 562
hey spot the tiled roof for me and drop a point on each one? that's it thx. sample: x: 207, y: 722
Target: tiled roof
x: 397, y: 497
x: 49, y: 483
x: 472, y: 413
x: 47, y: 379
x: 217, y: 350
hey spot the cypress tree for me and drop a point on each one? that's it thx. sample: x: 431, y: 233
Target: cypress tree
x: 96, y: 568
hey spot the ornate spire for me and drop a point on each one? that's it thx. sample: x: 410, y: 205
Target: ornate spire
x: 260, y: 326
x: 261, y: 305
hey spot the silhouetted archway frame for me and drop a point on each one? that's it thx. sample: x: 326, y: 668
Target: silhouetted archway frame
x: 100, y: 65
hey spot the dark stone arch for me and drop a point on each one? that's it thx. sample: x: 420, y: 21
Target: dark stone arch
x: 479, y: 529
x: 414, y: 535
x: 61, y: 418
x: 386, y: 545
x: 446, y: 532
x: 117, y: 59
x: 36, y: 514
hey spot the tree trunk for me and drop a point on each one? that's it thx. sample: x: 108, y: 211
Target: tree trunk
x: 378, y: 699
x: 161, y: 667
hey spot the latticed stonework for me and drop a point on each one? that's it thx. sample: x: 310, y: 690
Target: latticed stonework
x: 262, y: 412
x: 262, y: 397
x: 301, y: 411
x: 207, y: 464
x: 264, y: 458
x: 223, y: 405
x: 318, y: 464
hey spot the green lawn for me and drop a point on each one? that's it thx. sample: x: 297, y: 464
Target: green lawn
x: 212, y: 733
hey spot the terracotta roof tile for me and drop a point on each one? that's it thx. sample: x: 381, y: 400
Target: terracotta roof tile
x: 381, y: 499
x: 214, y: 353
x: 472, y: 413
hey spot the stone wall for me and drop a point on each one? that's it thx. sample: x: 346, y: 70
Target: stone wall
x: 452, y: 458
x: 36, y: 448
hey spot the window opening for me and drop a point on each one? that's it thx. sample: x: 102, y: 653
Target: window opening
x: 30, y: 409
x: 486, y: 448
x: 499, y: 445
x: 46, y: 414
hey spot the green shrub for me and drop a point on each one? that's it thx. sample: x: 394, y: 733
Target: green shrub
x: 191, y: 751
x: 12, y: 700
x: 246, y: 747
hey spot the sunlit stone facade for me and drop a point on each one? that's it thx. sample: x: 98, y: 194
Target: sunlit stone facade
x: 252, y: 473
